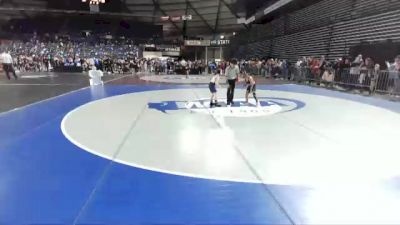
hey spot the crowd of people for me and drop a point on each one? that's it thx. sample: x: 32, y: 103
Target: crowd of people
x: 362, y: 73
x: 64, y: 53
x: 44, y: 54
x: 273, y: 68
x: 122, y: 56
x: 358, y: 73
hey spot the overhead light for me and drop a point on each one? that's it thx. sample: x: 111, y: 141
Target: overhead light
x: 222, y: 37
x: 234, y: 33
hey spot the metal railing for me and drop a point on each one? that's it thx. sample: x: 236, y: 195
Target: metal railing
x: 384, y: 82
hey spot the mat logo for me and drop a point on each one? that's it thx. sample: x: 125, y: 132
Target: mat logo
x: 268, y: 106
x: 35, y: 76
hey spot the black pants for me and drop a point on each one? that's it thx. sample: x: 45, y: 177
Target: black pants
x: 108, y: 68
x: 231, y: 91
x: 8, y: 68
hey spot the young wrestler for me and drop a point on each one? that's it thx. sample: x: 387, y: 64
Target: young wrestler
x: 214, y: 82
x: 250, y: 83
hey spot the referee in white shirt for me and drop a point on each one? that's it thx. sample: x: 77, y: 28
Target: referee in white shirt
x: 8, y: 64
x: 232, y: 73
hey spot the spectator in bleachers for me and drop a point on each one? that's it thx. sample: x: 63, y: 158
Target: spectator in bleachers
x: 258, y: 65
x: 374, y: 78
x: 43, y: 54
x: 314, y: 66
x: 300, y: 67
x: 268, y: 68
x: 394, y: 75
x: 344, y: 70
x: 356, y: 65
x: 321, y: 67
x: 212, y: 67
x: 328, y: 75
x: 285, y: 69
x: 275, y: 70
x: 367, y: 69
x: 336, y: 65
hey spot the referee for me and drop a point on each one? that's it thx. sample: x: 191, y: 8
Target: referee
x: 8, y: 64
x: 232, y: 73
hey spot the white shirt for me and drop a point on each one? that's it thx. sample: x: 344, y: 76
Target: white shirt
x: 96, y: 74
x: 232, y: 72
x: 6, y: 58
x: 184, y: 63
x: 91, y: 62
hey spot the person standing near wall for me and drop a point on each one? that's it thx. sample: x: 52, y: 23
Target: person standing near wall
x: 7, y: 62
x: 394, y: 74
x: 321, y: 67
x: 374, y: 78
x: 285, y: 70
x: 232, y: 73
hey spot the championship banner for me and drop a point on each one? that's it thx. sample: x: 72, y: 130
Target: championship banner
x: 220, y: 42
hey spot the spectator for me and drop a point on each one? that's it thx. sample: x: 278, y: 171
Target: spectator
x: 343, y: 70
x: 315, y: 69
x: 366, y: 71
x: 374, y: 78
x: 356, y: 68
x: 321, y: 68
x: 394, y: 73
x: 285, y: 70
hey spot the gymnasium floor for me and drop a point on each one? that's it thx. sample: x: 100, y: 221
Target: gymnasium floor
x: 148, y: 151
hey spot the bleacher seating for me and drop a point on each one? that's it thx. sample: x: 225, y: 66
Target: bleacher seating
x: 254, y: 50
x: 319, y: 14
x: 278, y: 26
x: 307, y: 43
x: 329, y: 27
x: 368, y: 7
x: 379, y: 27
